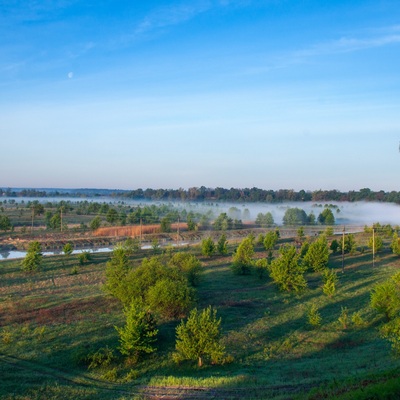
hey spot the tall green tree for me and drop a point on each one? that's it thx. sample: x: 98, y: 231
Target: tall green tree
x: 295, y: 216
x: 199, y: 338
x: 326, y: 217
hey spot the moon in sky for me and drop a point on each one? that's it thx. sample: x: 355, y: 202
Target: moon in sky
x: 70, y: 75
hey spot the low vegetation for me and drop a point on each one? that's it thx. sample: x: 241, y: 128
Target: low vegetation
x: 248, y: 320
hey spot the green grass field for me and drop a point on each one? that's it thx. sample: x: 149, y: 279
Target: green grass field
x: 51, y: 320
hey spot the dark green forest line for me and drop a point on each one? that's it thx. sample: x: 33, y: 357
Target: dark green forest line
x: 214, y: 194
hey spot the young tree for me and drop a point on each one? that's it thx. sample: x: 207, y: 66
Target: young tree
x: 208, y: 247
x: 286, y: 271
x: 317, y: 255
x: 139, y: 334
x: 375, y: 243
x: 116, y: 271
x: 33, y: 258
x: 385, y: 298
x: 270, y: 240
x: 330, y: 280
x: 395, y: 246
x: 95, y: 223
x: 68, y: 249
x: 199, y: 338
x: 222, y: 245
x: 189, y: 265
x: 313, y: 316
x: 326, y: 217
x: 243, y: 258
x: 165, y: 224
x: 5, y: 223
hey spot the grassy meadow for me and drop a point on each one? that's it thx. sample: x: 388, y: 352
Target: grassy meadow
x: 51, y: 320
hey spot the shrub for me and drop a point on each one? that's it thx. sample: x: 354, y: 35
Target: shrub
x: 344, y: 318
x: 313, y: 316
x: 189, y: 265
x: 170, y: 298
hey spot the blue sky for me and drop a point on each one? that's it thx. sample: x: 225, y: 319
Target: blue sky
x: 233, y: 93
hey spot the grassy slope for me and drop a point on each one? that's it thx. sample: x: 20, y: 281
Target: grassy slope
x: 49, y: 320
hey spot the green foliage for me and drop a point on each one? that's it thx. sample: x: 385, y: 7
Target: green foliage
x: 165, y: 224
x: 112, y: 216
x: 261, y: 267
x: 329, y: 231
x: 344, y: 318
x: 223, y: 222
x: 313, y: 316
x: 139, y: 334
x: 33, y: 258
x: 95, y: 223
x: 265, y: 220
x: 116, y: 271
x: 170, y: 299
x: 391, y: 332
x: 101, y: 358
x: 84, y: 257
x: 68, y: 249
x: 131, y: 246
x: 189, y: 265
x: 330, y: 280
x: 317, y: 255
x: 191, y: 225
x: 222, y: 245
x: 295, y: 216
x: 286, y: 271
x: 199, y: 338
x: 326, y: 217
x: 349, y: 244
x: 357, y: 319
x: 270, y: 240
x: 5, y: 223
x: 243, y: 257
x: 385, y: 298
x: 375, y: 242
x: 208, y: 247
x: 334, y: 246
x: 155, y: 245
x: 395, y: 245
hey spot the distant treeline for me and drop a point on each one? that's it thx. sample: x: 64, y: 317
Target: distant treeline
x: 214, y: 194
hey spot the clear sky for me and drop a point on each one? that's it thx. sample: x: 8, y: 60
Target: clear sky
x: 232, y: 93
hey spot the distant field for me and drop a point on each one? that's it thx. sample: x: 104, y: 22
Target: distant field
x: 51, y: 319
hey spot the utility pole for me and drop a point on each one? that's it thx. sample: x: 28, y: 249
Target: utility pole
x: 61, y: 210
x: 140, y: 232
x: 373, y: 246
x: 177, y: 233
x: 343, y: 249
x: 33, y: 213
